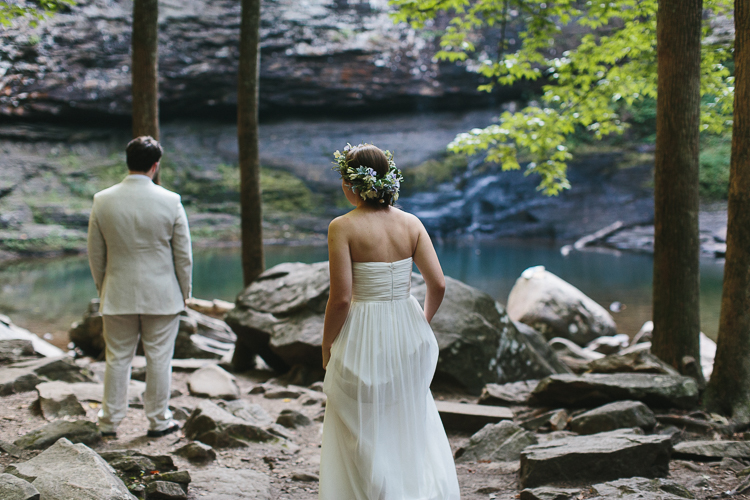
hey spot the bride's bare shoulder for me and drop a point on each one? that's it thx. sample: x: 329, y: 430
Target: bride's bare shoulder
x: 410, y: 219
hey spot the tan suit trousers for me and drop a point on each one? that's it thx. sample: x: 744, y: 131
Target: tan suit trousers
x: 121, y: 334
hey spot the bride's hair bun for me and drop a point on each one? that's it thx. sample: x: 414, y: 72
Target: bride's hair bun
x: 371, y: 172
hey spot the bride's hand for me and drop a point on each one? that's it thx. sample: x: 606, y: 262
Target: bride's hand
x: 326, y: 356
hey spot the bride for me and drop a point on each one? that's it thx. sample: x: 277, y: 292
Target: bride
x: 382, y: 435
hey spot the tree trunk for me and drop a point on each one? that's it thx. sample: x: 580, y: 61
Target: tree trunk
x: 677, y: 244
x: 729, y: 388
x: 247, y: 133
x: 145, y: 69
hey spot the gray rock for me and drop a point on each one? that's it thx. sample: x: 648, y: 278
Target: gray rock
x: 309, y: 60
x: 292, y: 419
x: 212, y: 381
x: 15, y: 380
x: 14, y: 488
x: 78, y: 431
x: 599, y: 457
x: 197, y: 452
x: 199, y: 336
x: 67, y: 471
x: 11, y: 449
x: 641, y: 488
x: 65, y: 406
x: 617, y: 415
x: 14, y: 350
x: 501, y: 442
x: 512, y: 393
x: 305, y: 477
x: 557, y: 309
x: 217, y: 427
x: 555, y: 420
x: 284, y: 393
x: 609, y: 345
x: 11, y: 331
x: 230, y: 484
x: 712, y: 450
x: 135, y: 463
x: 163, y: 490
x: 546, y: 437
x: 549, y: 493
x: 592, y: 389
x: 251, y: 412
x: 634, y: 362
x: 86, y: 391
x: 280, y: 317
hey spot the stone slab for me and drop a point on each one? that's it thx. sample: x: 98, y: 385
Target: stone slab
x: 599, y: 457
x: 712, y: 450
x: 470, y: 417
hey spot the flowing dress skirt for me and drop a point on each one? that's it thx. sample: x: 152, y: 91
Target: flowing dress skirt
x: 382, y: 435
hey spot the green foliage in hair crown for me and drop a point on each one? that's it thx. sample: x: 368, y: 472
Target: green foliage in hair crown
x: 370, y: 185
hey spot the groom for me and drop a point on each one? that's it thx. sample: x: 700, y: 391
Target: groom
x: 141, y: 260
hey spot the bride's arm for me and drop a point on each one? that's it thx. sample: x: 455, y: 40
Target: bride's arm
x: 428, y: 264
x: 340, y: 297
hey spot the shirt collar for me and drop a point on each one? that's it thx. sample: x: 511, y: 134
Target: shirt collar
x: 138, y: 177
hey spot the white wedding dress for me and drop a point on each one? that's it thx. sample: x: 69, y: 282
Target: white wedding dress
x: 382, y: 435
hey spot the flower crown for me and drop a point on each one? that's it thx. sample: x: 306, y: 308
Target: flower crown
x: 366, y: 180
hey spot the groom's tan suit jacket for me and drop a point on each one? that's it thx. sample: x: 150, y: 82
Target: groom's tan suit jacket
x: 139, y: 249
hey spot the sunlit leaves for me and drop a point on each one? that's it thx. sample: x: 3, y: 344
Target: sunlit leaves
x: 35, y: 11
x: 612, y: 65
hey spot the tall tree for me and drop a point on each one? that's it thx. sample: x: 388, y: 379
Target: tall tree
x: 676, y: 291
x: 247, y: 134
x: 145, y: 69
x: 729, y: 388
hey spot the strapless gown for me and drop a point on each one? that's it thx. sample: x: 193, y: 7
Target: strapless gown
x: 382, y: 435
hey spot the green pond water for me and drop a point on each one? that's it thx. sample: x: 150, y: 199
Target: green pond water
x: 46, y: 296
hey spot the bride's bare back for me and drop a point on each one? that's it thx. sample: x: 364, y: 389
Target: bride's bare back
x: 380, y: 235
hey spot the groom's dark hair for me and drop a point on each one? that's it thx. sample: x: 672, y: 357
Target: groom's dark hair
x: 142, y: 152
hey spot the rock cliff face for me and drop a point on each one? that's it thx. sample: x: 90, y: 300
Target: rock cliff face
x: 315, y: 54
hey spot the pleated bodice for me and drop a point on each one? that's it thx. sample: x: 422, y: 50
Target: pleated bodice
x: 381, y: 281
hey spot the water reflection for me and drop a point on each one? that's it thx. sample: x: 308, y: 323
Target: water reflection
x: 48, y: 295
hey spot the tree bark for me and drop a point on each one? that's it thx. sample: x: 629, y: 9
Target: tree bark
x: 676, y: 289
x: 145, y: 69
x: 729, y: 389
x: 247, y: 134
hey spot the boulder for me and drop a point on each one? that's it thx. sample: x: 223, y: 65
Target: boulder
x: 549, y: 493
x: 555, y: 420
x: 712, y: 450
x: 609, y: 345
x: 196, y: 452
x: 599, y: 457
x: 251, y: 412
x: 217, y: 427
x: 617, y: 415
x: 634, y: 362
x: 26, y: 375
x: 14, y: 488
x: 212, y: 381
x: 11, y: 331
x: 66, y: 405
x: 292, y: 419
x: 86, y: 391
x: 13, y: 350
x: 501, y: 442
x: 280, y: 317
x: 199, y: 336
x: 641, y: 488
x: 512, y: 393
x: 557, y: 309
x: 77, y: 431
x: 164, y: 490
x: 61, y: 368
x: 468, y: 417
x: 135, y: 463
x: 593, y: 389
x: 230, y: 484
x: 67, y: 471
